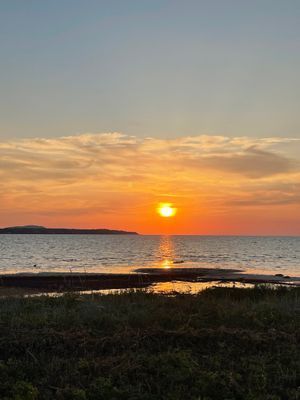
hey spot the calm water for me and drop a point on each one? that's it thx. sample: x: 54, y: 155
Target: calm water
x: 109, y: 253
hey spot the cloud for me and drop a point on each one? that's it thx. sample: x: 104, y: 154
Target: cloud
x: 251, y: 162
x: 108, y: 172
x: 244, y: 156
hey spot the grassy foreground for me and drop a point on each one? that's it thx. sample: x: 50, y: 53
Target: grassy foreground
x: 220, y: 344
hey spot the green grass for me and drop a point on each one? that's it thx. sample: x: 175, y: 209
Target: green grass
x: 219, y: 344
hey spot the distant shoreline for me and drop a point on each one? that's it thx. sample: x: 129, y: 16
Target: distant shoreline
x: 41, y: 230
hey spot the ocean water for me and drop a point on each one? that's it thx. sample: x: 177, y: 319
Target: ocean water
x: 124, y: 253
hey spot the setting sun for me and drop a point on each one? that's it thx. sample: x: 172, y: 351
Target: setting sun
x: 166, y: 210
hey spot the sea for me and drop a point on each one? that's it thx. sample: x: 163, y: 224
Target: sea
x: 125, y: 253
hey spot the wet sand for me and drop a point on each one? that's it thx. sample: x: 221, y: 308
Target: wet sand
x: 140, y: 278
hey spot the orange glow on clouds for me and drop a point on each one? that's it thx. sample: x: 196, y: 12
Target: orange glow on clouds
x: 221, y: 185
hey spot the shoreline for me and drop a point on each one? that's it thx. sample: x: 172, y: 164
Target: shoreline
x: 140, y: 278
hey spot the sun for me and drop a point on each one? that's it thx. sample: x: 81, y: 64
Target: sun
x: 166, y: 210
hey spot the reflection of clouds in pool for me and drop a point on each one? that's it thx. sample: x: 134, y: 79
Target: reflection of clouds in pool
x: 193, y: 287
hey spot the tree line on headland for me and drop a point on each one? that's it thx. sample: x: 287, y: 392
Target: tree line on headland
x: 41, y: 230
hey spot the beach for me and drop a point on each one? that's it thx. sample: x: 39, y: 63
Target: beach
x: 140, y: 278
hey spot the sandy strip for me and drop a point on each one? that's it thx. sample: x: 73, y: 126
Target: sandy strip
x: 142, y: 278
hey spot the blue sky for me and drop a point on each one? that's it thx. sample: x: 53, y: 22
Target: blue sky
x: 149, y: 68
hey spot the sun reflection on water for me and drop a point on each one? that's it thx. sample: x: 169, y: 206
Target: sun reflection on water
x: 166, y: 252
x: 166, y: 264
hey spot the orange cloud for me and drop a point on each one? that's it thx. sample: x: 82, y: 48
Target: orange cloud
x: 219, y: 184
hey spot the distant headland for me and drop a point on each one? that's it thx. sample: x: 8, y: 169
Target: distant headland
x: 41, y: 230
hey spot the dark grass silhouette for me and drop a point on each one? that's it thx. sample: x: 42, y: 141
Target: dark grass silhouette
x: 220, y: 344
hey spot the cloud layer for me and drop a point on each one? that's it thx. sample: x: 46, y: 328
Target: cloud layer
x: 116, y: 179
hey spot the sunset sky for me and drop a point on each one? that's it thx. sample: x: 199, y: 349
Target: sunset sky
x: 109, y: 108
